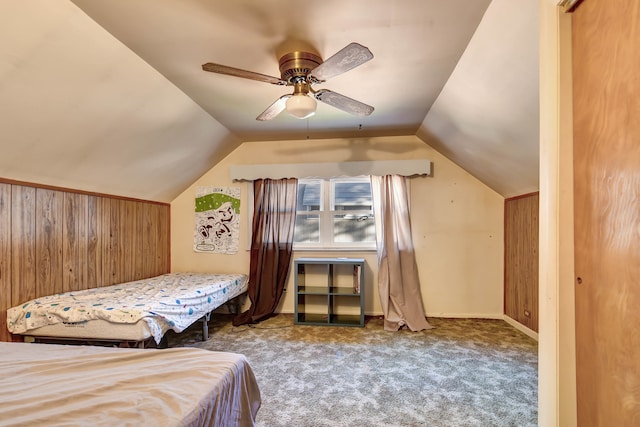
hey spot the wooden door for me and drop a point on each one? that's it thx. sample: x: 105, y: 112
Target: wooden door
x: 606, y: 76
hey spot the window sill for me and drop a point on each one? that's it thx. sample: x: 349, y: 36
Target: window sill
x: 345, y: 249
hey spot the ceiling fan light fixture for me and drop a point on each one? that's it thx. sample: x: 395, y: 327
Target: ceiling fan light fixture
x: 301, y: 106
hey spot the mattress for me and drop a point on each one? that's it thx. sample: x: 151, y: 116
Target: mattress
x: 132, y: 311
x: 58, y: 385
x: 97, y: 329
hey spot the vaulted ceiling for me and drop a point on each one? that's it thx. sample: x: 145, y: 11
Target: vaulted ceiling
x: 111, y: 97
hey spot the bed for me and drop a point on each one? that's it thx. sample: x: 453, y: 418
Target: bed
x: 132, y: 312
x: 63, y: 385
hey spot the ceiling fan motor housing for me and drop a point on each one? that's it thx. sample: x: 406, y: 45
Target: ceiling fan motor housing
x: 295, y: 66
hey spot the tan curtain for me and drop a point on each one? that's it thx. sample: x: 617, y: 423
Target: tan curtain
x: 274, y: 219
x: 398, y: 282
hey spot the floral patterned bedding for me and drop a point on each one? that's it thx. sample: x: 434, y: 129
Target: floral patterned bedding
x: 173, y: 300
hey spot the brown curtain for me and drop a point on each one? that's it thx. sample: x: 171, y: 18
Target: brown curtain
x: 398, y: 281
x: 274, y: 219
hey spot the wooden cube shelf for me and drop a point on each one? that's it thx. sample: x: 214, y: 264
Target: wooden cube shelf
x: 329, y: 291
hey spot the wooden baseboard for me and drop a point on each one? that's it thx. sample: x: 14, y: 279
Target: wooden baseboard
x: 519, y: 326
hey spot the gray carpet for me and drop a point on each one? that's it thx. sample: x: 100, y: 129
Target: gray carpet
x: 463, y: 373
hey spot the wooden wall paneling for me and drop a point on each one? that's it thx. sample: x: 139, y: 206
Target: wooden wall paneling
x: 109, y: 258
x: 52, y: 240
x: 153, y: 240
x: 49, y: 212
x: 116, y: 275
x: 151, y: 246
x: 75, y: 242
x: 104, y: 219
x: 532, y: 294
x: 127, y: 239
x: 150, y: 240
x: 157, y: 254
x: 159, y: 237
x: 5, y: 259
x: 141, y: 249
x: 94, y: 241
x: 521, y: 260
x: 23, y: 244
x: 511, y: 290
x: 133, y: 246
x: 606, y: 106
x: 163, y: 240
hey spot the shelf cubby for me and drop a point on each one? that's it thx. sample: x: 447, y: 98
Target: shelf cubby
x: 329, y: 291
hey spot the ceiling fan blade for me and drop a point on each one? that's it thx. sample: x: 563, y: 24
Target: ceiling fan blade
x: 237, y: 72
x: 274, y: 109
x: 349, y: 57
x: 343, y: 103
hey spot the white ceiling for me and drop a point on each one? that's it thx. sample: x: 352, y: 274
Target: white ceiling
x: 110, y: 96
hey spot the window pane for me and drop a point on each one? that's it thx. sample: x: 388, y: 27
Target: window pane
x: 350, y: 228
x: 352, y: 196
x: 309, y: 196
x: 307, y: 229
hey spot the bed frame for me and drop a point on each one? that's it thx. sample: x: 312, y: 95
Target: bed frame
x: 132, y: 335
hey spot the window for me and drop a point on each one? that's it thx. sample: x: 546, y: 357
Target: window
x: 334, y: 214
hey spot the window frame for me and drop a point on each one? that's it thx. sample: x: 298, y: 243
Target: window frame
x: 327, y: 215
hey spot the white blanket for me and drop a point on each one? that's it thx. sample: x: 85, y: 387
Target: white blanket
x: 58, y: 385
x: 171, y: 301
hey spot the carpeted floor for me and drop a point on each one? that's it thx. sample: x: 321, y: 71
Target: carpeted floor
x: 463, y: 373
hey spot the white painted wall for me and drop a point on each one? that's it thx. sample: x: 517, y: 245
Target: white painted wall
x: 457, y: 224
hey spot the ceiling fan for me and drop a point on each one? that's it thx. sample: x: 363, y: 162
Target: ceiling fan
x: 302, y: 70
